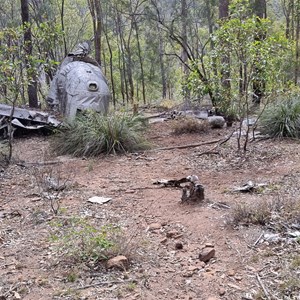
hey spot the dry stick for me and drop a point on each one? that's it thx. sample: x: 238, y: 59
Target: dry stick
x: 259, y: 238
x: 101, y: 283
x: 263, y: 287
x: 185, y: 146
x: 50, y: 162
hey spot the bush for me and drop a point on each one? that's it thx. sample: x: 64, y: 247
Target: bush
x: 92, y: 134
x: 282, y: 119
x: 189, y: 125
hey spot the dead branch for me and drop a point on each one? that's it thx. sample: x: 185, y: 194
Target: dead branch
x: 102, y: 283
x: 263, y: 287
x: 220, y: 142
x: 43, y: 163
x: 185, y: 146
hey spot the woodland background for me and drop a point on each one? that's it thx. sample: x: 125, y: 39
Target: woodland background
x: 232, y: 52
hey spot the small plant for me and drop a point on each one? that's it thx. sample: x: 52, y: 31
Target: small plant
x: 282, y: 119
x: 92, y: 134
x: 189, y: 125
x: 77, y: 239
x: 51, y: 184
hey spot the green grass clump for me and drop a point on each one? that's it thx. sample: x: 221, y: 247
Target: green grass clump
x: 282, y: 119
x: 92, y: 134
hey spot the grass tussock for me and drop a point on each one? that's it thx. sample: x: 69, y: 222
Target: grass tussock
x: 282, y: 119
x: 184, y: 125
x: 92, y: 134
x: 279, y: 211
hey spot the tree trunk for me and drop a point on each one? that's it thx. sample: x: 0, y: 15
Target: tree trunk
x: 96, y: 13
x: 184, y: 54
x: 32, y: 85
x: 297, y: 37
x: 162, y: 64
x: 260, y: 10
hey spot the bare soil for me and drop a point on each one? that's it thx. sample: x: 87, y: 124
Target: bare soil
x: 245, y: 265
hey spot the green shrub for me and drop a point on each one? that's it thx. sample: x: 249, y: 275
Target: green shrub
x: 282, y: 119
x: 77, y: 239
x: 92, y: 134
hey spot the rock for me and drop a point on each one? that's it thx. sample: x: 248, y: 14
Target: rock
x: 154, y: 226
x: 172, y: 233
x: 231, y: 272
x: 119, y: 262
x: 216, y: 121
x: 222, y: 291
x: 163, y: 241
x: 178, y: 246
x: 207, y: 254
x: 209, y: 245
x: 193, y: 268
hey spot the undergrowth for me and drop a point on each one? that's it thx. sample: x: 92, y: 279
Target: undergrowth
x: 92, y: 134
x: 275, y: 213
x: 282, y: 119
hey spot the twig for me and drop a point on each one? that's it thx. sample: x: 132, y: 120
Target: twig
x: 263, y: 287
x: 259, y: 238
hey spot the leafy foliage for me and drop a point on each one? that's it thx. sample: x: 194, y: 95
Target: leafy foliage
x: 92, y: 134
x: 282, y: 119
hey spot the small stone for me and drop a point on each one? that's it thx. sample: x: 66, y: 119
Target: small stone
x: 207, y: 254
x: 178, y: 246
x: 163, y: 241
x: 222, y: 291
x: 212, y: 298
x: 238, y: 277
x: 154, y: 226
x: 193, y: 268
x: 201, y: 264
x: 209, y: 245
x: 172, y: 233
x: 231, y: 272
x: 119, y: 262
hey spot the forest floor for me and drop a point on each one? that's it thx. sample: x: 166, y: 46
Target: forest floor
x: 162, y: 236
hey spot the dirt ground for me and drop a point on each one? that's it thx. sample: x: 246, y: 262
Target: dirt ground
x: 165, y: 236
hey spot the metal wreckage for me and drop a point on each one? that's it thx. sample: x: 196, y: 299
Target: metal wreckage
x: 79, y: 84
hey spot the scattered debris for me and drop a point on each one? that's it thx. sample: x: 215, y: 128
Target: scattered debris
x: 27, y: 119
x: 250, y: 187
x: 194, y: 191
x: 99, y: 200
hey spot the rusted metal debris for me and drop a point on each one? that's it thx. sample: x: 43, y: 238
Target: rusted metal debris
x: 27, y: 119
x: 192, y: 191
